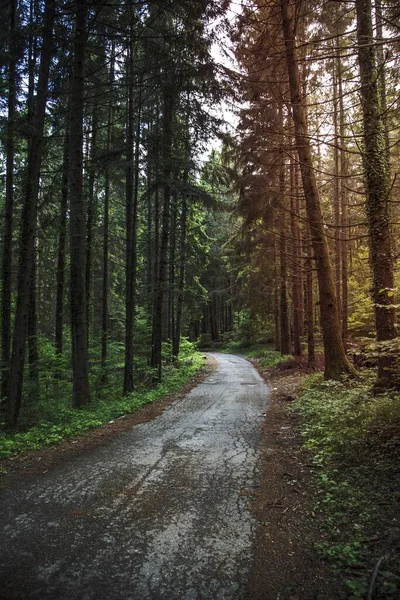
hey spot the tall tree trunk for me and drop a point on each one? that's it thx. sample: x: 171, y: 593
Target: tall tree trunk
x: 283, y: 262
x: 33, y: 351
x: 149, y: 233
x: 156, y: 245
x: 382, y: 78
x: 132, y: 188
x: 128, y: 369
x: 6, y: 266
x: 310, y: 303
x: 336, y: 187
x: 106, y: 251
x: 336, y: 363
x: 90, y: 210
x: 182, y: 267
x: 80, y: 362
x: 343, y: 201
x: 296, y: 260
x: 172, y: 259
x: 28, y: 225
x: 62, y: 240
x: 168, y: 106
x: 377, y: 186
x: 106, y: 226
x: 276, y: 294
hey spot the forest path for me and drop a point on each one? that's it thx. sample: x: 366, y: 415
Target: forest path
x: 162, y: 512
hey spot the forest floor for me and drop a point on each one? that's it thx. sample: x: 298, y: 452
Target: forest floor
x: 329, y: 516
x: 287, y: 566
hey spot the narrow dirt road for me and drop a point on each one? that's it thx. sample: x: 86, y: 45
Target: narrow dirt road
x: 162, y: 512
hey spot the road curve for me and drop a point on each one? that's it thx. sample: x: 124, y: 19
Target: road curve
x: 161, y: 513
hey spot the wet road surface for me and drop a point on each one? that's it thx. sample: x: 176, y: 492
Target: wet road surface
x: 161, y: 513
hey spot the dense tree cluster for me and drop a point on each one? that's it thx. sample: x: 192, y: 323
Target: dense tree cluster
x: 317, y: 155
x: 105, y: 112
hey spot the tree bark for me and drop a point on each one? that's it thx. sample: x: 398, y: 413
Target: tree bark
x: 90, y: 218
x: 377, y: 181
x: 80, y: 363
x: 336, y: 187
x: 33, y: 350
x: 132, y: 189
x: 296, y: 260
x: 310, y: 303
x: 106, y: 227
x: 168, y: 106
x: 6, y: 267
x: 28, y: 225
x: 62, y: 241
x: 276, y: 294
x: 182, y: 266
x: 283, y: 262
x: 336, y: 362
x: 343, y: 202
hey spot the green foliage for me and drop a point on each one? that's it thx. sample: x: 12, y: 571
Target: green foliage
x: 354, y: 438
x: 267, y: 356
x: 342, y: 418
x: 58, y: 421
x: 361, y: 310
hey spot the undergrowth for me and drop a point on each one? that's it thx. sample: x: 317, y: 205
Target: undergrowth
x: 56, y: 420
x: 354, y: 438
x: 268, y: 357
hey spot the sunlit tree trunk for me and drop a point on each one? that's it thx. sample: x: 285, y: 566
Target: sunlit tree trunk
x: 377, y: 186
x: 336, y: 363
x: 343, y: 202
x: 182, y: 257
x: 310, y: 302
x: 283, y: 262
x: 296, y: 260
x: 336, y: 186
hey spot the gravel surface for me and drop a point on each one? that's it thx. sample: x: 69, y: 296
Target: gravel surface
x: 160, y: 513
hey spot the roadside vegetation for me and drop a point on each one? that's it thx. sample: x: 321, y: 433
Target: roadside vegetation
x: 354, y: 439
x: 266, y: 356
x: 54, y: 420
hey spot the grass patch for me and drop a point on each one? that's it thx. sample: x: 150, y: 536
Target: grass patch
x: 354, y: 438
x: 68, y: 423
